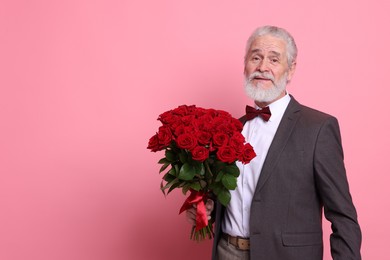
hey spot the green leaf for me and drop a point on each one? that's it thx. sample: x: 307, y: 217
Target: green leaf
x: 219, y: 176
x: 216, y: 188
x: 177, y: 169
x: 183, y: 157
x: 187, y: 172
x: 224, y: 197
x: 174, y: 186
x: 185, y: 188
x: 170, y: 156
x: 196, y: 186
x: 229, y: 181
x: 168, y: 177
x: 199, y: 167
x: 232, y: 169
x: 163, y: 161
x: 170, y: 183
x: 161, y: 188
x: 172, y: 171
x: 208, y: 172
x: 219, y: 165
x: 164, y: 167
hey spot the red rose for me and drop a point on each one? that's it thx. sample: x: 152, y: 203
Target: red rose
x: 179, y: 130
x: 204, y: 138
x: 220, y: 139
x: 189, y: 130
x: 198, y: 112
x: 186, y: 141
x: 204, y: 125
x: 188, y: 120
x: 210, y: 111
x: 226, y: 154
x: 237, y: 142
x: 200, y: 153
x: 247, y: 154
x: 182, y: 129
x: 192, y: 109
x: 238, y: 137
x: 218, y: 121
x: 153, y: 144
x: 236, y: 124
x: 229, y: 129
x: 181, y: 110
x: 206, y: 118
x: 164, y: 116
x: 167, y: 118
x: 222, y: 113
x: 164, y: 135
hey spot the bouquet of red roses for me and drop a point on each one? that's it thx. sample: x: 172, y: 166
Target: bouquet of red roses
x: 201, y: 147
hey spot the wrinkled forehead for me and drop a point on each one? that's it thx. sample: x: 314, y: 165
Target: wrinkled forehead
x: 268, y: 44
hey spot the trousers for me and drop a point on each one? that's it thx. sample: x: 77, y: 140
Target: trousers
x: 226, y: 251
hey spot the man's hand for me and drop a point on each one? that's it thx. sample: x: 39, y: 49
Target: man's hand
x: 191, y: 213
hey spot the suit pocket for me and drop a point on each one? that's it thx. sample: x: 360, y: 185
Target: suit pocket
x: 302, y: 239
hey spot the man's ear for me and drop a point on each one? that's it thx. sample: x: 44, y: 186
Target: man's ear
x: 291, y: 71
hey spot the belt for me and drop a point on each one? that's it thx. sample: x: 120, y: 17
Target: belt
x: 238, y: 242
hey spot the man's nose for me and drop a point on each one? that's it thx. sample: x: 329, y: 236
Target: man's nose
x: 262, y: 66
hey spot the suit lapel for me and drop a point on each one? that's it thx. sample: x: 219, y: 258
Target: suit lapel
x: 282, y: 135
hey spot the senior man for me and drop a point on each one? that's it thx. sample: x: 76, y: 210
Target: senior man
x: 276, y: 211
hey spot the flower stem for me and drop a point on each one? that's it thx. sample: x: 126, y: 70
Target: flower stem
x: 202, y: 234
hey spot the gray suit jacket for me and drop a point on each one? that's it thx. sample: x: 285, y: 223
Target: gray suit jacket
x: 303, y: 174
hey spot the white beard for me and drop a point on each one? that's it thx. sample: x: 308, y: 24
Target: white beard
x: 258, y: 93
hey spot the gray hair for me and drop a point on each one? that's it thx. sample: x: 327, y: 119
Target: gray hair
x: 281, y: 33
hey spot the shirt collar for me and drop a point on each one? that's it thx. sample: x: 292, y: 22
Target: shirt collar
x: 278, y: 107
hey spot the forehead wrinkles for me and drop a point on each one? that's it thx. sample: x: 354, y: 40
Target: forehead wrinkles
x: 265, y: 48
x: 270, y: 52
x: 266, y: 43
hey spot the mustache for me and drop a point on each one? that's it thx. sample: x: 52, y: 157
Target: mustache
x: 264, y: 75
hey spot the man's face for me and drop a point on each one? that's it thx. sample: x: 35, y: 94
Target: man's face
x: 266, y: 68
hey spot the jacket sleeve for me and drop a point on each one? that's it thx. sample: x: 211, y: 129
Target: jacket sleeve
x: 333, y: 188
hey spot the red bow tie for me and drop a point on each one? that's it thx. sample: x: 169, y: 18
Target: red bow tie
x: 264, y: 113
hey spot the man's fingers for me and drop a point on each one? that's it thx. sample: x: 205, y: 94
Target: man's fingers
x: 191, y: 216
x: 209, y: 206
x: 191, y: 213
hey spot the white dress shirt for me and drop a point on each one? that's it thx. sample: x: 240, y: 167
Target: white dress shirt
x: 259, y: 134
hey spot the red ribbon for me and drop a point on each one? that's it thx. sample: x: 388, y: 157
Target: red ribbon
x: 197, y: 198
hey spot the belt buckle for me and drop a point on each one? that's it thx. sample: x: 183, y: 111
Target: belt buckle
x: 242, y: 243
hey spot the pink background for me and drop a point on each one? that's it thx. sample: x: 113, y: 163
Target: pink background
x: 82, y: 83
